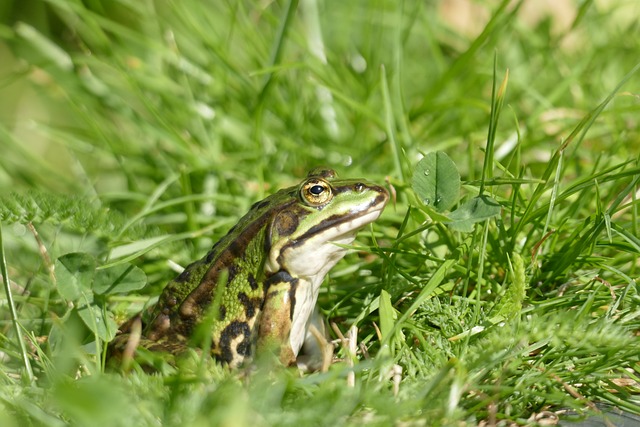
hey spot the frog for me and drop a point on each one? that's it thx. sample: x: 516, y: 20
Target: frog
x: 256, y: 289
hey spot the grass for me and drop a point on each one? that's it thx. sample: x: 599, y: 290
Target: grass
x: 135, y: 134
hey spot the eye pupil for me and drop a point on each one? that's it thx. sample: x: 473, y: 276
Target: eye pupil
x: 316, y: 190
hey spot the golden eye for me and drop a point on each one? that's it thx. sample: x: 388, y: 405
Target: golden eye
x: 316, y: 192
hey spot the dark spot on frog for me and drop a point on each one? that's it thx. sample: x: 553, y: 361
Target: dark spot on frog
x: 184, y: 276
x: 171, y: 302
x: 233, y: 251
x: 213, y: 252
x: 251, y: 305
x: 184, y: 325
x: 228, y: 334
x: 203, y: 303
x: 260, y: 205
x: 280, y: 277
x: 244, y: 348
x: 252, y: 281
x: 292, y: 297
x: 232, y: 271
x: 222, y: 312
x: 286, y: 223
x: 380, y: 198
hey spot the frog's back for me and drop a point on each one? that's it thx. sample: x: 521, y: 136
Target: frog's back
x: 235, y: 262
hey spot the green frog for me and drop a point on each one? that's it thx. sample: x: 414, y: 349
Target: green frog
x: 257, y: 287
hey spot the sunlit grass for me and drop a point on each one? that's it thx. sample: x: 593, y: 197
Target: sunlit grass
x: 139, y: 132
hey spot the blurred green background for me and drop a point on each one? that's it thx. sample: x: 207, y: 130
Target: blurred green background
x: 112, y: 96
x: 145, y: 129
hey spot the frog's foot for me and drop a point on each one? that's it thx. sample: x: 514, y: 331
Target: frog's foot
x: 317, y: 351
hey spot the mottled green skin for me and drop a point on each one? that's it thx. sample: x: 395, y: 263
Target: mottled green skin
x: 241, y: 254
x: 275, y: 256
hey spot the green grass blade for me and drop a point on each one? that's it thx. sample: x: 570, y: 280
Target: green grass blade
x: 14, y: 314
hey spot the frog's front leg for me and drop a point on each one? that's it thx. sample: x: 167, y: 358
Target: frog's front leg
x: 275, y: 320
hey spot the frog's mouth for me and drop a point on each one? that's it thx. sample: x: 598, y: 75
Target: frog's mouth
x: 346, y: 229
x: 321, y: 247
x: 338, y: 227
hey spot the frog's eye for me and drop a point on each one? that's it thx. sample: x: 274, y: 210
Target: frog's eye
x: 316, y: 192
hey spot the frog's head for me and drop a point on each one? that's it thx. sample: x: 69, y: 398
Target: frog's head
x: 306, y: 235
